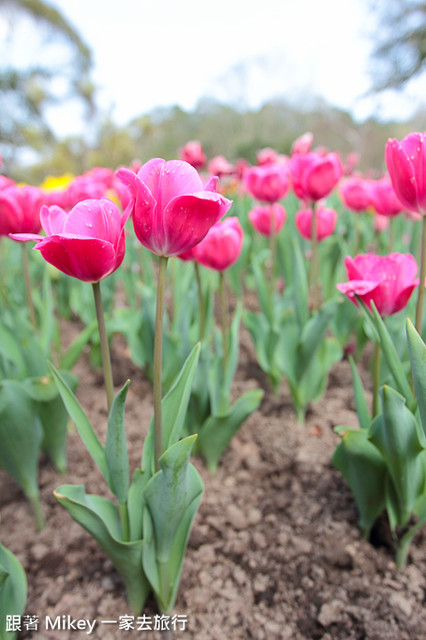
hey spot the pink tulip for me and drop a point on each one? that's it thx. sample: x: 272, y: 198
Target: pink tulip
x: 381, y: 223
x: 388, y: 281
x: 303, y: 143
x: 172, y: 211
x: 20, y: 209
x: 384, y: 198
x: 326, y: 222
x: 314, y: 175
x: 268, y: 219
x: 268, y: 183
x: 267, y: 156
x: 222, y: 246
x: 193, y: 153
x: 87, y: 243
x: 406, y: 163
x: 219, y: 166
x: 356, y: 193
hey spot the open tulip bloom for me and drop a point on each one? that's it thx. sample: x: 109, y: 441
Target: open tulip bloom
x: 87, y: 242
x: 388, y: 281
x: 172, y: 210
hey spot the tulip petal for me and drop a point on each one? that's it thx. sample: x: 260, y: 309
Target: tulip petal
x: 188, y: 218
x: 88, y: 259
x: 53, y: 219
x: 94, y: 219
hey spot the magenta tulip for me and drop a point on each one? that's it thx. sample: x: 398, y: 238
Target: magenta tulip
x: 406, y: 163
x: 222, y: 246
x: 268, y: 183
x: 172, y: 211
x: 193, y: 153
x: 388, y: 281
x: 87, y: 243
x: 356, y: 193
x: 326, y: 222
x: 384, y: 198
x: 303, y: 143
x: 20, y: 209
x: 314, y: 176
x: 268, y: 219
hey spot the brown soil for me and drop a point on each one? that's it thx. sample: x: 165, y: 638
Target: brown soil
x: 275, y: 552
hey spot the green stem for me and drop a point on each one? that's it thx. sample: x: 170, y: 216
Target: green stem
x: 27, y: 278
x: 404, y: 544
x: 314, y: 274
x: 421, y: 292
x: 158, y: 356
x: 224, y: 318
x: 200, y: 301
x: 38, y: 511
x: 124, y: 518
x: 273, y: 257
x: 376, y: 379
x: 103, y: 338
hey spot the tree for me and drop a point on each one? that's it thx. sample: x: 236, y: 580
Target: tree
x: 38, y: 80
x: 400, y: 51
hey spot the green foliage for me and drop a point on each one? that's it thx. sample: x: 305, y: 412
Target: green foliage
x: 13, y: 590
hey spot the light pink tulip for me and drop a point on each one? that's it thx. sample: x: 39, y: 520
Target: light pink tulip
x: 172, y: 210
x: 388, y: 281
x: 303, y: 143
x: 268, y: 219
x: 222, y: 246
x: 87, y: 242
x: 326, y: 222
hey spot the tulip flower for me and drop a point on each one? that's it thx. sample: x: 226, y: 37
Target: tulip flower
x: 384, y: 198
x: 406, y: 164
x: 303, y: 143
x: 268, y: 219
x: 314, y: 176
x: 268, y: 183
x: 356, y: 193
x: 222, y: 246
x: 388, y: 281
x: 20, y: 209
x: 267, y: 156
x: 172, y: 211
x: 87, y: 243
x: 193, y: 153
x: 326, y: 220
x: 219, y: 166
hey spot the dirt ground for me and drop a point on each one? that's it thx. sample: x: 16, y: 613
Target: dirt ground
x: 274, y: 553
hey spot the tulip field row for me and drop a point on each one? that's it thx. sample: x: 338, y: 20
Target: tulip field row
x: 171, y: 255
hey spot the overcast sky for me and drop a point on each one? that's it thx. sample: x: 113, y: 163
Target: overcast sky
x: 153, y: 53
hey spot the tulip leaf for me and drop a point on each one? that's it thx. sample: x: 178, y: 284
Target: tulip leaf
x: 312, y: 335
x: 172, y: 497
x: 217, y: 431
x: 392, y: 359
x: 116, y: 455
x: 99, y: 517
x: 81, y: 421
x: 13, y: 590
x: 174, y: 406
x: 69, y: 359
x: 396, y: 435
x: 418, y: 364
x: 20, y: 436
x: 364, y: 469
x: 262, y: 287
x: 363, y: 413
x: 300, y: 286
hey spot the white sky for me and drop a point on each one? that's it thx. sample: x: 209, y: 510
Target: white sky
x: 152, y: 53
